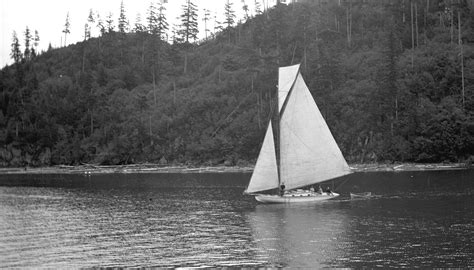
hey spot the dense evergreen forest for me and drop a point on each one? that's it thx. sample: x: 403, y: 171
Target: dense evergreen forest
x: 395, y: 83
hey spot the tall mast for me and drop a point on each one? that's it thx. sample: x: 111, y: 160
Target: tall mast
x: 280, y: 111
x: 277, y: 137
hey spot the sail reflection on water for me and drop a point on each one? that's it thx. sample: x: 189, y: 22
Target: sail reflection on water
x: 298, y: 236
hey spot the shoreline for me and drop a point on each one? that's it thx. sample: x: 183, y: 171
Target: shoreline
x: 155, y: 168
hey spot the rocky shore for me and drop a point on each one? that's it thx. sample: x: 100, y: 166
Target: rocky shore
x: 155, y: 168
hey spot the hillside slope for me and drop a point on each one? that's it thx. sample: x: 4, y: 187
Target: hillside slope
x: 131, y: 98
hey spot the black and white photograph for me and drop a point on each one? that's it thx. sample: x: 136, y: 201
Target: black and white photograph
x: 295, y: 134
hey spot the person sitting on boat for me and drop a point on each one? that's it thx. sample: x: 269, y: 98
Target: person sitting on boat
x: 328, y: 191
x: 320, y: 190
x: 282, y: 190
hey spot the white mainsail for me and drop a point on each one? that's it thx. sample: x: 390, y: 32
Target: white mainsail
x: 265, y: 174
x: 308, y: 152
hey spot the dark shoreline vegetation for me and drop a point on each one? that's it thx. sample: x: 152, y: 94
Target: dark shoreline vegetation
x: 393, y: 89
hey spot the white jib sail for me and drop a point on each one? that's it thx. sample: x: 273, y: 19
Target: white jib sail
x: 286, y: 78
x: 308, y: 152
x: 265, y: 174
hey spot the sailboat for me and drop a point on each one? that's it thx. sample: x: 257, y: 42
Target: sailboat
x: 307, y: 152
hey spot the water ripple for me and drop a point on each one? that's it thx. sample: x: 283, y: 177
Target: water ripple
x: 218, y: 227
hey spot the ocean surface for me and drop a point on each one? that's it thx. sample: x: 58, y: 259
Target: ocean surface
x: 414, y: 220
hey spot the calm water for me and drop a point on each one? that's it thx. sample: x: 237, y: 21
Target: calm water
x: 416, y: 219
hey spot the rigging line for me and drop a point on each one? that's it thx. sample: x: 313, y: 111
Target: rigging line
x: 294, y: 51
x: 229, y: 115
x: 272, y: 107
x: 341, y: 184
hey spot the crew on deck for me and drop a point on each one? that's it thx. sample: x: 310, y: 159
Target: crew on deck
x: 328, y: 191
x: 282, y: 189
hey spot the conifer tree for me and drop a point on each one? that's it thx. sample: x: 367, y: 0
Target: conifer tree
x: 87, y: 26
x: 139, y: 27
x: 87, y: 31
x: 36, y: 40
x: 258, y: 7
x: 229, y: 14
x: 245, y: 8
x: 162, y: 23
x: 189, y: 25
x: 28, y: 39
x: 123, y: 24
x: 174, y: 33
x: 110, y: 23
x: 207, y: 14
x: 66, y: 29
x: 152, y: 19
x: 90, y: 21
x: 16, y: 52
x: 100, y: 24
x: 217, y: 24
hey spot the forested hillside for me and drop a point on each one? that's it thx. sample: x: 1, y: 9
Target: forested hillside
x: 393, y: 82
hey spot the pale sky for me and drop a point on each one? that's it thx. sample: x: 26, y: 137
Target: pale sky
x: 49, y: 16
